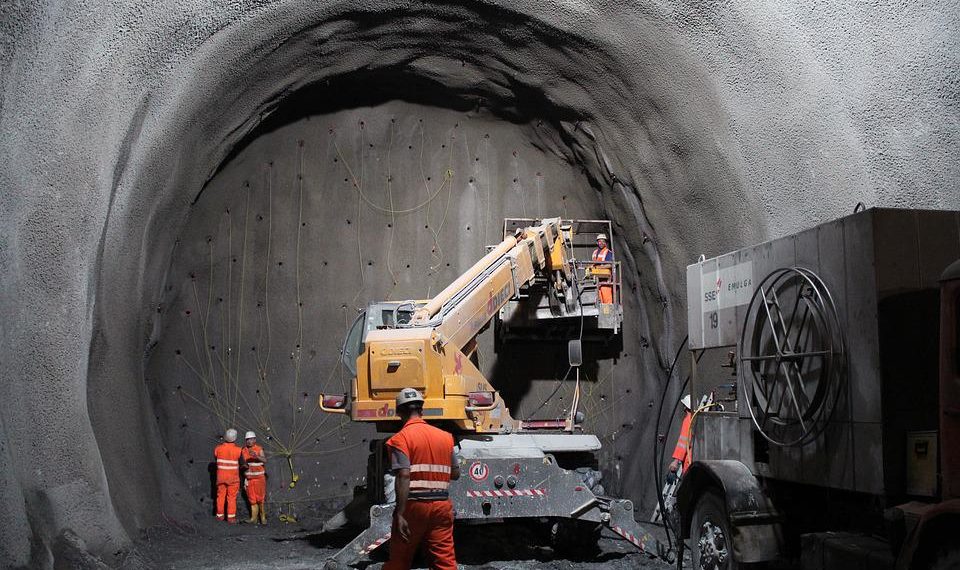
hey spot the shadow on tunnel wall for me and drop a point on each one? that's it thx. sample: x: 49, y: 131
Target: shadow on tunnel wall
x: 369, y: 88
x: 530, y: 374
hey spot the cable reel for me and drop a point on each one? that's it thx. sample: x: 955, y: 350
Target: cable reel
x: 792, y: 357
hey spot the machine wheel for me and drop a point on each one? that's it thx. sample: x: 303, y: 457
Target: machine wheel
x: 710, y: 534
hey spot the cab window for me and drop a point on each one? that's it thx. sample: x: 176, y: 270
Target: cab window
x: 353, y: 345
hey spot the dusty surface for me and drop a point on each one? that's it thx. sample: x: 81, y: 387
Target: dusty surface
x: 293, y: 547
x: 698, y: 126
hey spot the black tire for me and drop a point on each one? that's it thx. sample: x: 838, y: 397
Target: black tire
x: 710, y: 534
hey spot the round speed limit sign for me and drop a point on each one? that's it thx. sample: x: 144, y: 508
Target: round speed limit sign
x: 479, y: 471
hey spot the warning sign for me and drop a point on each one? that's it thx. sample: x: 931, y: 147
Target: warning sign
x: 479, y: 471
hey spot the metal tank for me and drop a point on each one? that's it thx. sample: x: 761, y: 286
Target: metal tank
x: 819, y: 353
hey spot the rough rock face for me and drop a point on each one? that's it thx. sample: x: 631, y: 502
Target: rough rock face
x: 697, y: 127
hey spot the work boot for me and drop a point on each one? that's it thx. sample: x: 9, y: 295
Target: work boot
x: 263, y: 513
x: 254, y: 514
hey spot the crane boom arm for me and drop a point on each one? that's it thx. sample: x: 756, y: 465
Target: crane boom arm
x: 433, y: 351
x: 467, y: 305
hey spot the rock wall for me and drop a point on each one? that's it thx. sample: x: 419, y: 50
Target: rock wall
x: 697, y: 127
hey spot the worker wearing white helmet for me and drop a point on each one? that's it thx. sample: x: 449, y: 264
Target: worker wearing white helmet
x: 603, y: 271
x: 424, y: 463
x: 603, y: 251
x: 255, y: 479
x: 228, y: 457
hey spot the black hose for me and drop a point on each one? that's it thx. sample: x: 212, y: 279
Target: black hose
x: 550, y: 397
x: 657, y: 462
x: 658, y: 456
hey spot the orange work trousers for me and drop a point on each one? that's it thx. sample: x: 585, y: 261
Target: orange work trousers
x: 431, y: 522
x: 256, y: 489
x: 606, y: 293
x: 227, y: 493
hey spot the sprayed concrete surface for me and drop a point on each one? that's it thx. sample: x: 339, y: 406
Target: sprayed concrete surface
x: 312, y: 221
x: 129, y: 131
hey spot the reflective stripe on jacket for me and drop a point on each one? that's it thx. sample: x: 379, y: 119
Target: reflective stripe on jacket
x: 429, y: 450
x: 684, y: 446
x: 255, y: 468
x: 228, y: 463
x: 602, y: 254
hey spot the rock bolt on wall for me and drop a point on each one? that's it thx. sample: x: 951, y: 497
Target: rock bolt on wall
x: 196, y: 198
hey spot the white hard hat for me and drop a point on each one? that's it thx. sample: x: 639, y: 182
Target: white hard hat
x: 250, y: 435
x: 408, y: 395
x: 230, y: 435
x: 602, y: 236
x: 685, y: 401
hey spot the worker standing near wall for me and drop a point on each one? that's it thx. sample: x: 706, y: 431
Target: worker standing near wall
x: 603, y: 273
x: 423, y: 461
x: 228, y: 456
x: 255, y: 478
x: 682, y: 452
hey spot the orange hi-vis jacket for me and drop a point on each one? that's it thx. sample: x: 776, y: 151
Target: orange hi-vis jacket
x: 602, y: 254
x: 228, y: 463
x: 429, y: 450
x: 682, y: 451
x: 255, y: 467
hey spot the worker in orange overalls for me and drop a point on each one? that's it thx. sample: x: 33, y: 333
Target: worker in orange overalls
x: 424, y: 463
x: 604, y: 273
x: 255, y: 478
x: 682, y: 455
x: 228, y: 457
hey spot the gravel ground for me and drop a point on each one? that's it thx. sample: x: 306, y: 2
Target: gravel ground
x: 209, y: 545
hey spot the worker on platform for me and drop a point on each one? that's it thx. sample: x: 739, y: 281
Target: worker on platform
x: 603, y: 272
x: 423, y: 461
x: 228, y: 456
x: 603, y: 251
x: 682, y: 455
x: 255, y: 478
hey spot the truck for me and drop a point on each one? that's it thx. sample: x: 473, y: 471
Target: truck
x: 533, y: 287
x: 830, y: 370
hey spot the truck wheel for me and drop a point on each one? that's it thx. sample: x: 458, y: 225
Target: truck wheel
x: 710, y: 534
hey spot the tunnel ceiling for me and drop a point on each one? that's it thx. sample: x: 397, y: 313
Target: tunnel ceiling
x: 696, y: 127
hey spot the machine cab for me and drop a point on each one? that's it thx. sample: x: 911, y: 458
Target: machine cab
x: 375, y: 317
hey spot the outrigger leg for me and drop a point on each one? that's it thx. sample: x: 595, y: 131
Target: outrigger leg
x: 378, y: 533
x: 619, y: 518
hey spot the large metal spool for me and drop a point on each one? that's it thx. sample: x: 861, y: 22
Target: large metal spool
x: 792, y: 357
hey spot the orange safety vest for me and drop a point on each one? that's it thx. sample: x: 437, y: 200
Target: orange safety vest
x: 429, y: 450
x: 601, y: 254
x: 255, y: 467
x: 684, y: 445
x: 228, y: 463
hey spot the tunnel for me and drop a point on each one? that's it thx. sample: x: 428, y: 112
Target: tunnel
x: 199, y: 197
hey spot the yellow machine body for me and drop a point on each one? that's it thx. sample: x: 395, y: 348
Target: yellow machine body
x: 431, y: 346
